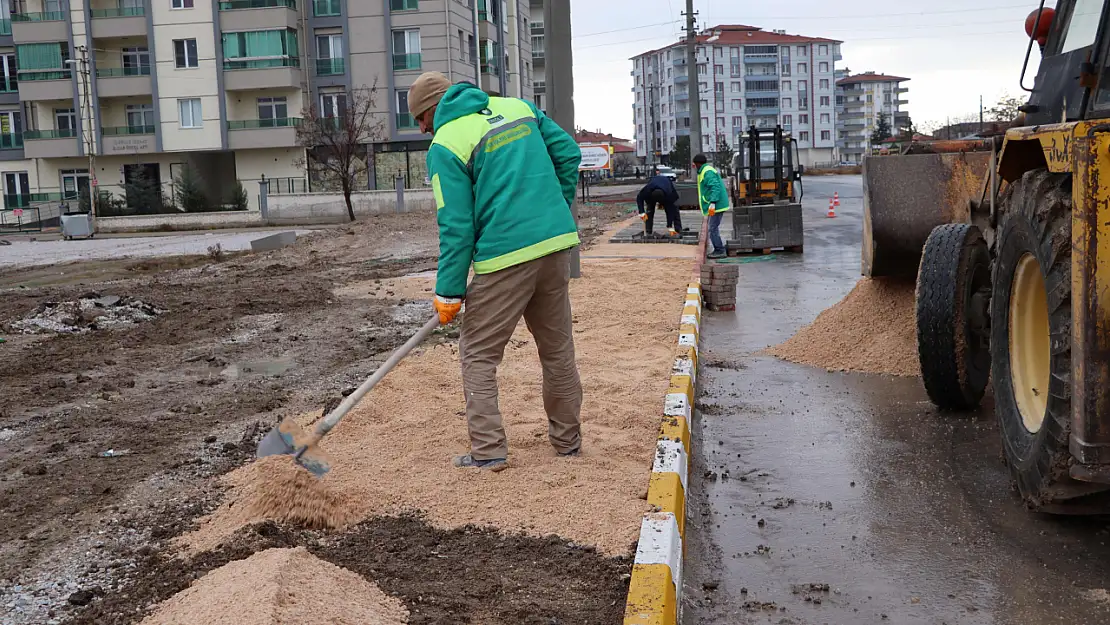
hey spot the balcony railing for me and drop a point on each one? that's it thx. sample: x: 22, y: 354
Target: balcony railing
x: 48, y: 16
x: 406, y: 61
x: 118, y: 12
x: 115, y: 72
x: 25, y: 200
x: 537, y: 28
x: 491, y: 68
x: 538, y: 54
x: 11, y: 142
x: 9, y: 85
x: 5, y: 27
x: 284, y: 61
x: 277, y: 122
x: 330, y: 67
x: 403, y: 5
x: 405, y: 121
x: 32, y: 135
x: 115, y: 131
x: 45, y: 74
x: 324, y: 8
x: 233, y: 5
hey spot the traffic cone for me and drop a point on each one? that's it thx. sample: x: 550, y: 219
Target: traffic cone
x: 832, y: 208
x: 836, y: 199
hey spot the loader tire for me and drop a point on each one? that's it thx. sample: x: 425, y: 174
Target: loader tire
x: 1031, y: 337
x: 953, y: 327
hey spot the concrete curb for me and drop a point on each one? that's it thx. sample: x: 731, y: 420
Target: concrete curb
x: 655, y: 590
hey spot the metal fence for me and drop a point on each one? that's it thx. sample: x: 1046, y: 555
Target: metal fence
x: 286, y: 186
x: 20, y: 220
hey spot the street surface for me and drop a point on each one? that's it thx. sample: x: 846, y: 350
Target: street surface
x: 802, y: 477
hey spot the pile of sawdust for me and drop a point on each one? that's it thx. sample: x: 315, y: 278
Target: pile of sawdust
x: 872, y: 330
x: 276, y: 488
x: 393, y: 452
x: 280, y: 587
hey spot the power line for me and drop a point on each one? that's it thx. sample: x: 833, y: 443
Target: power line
x: 621, y: 30
x: 876, y: 15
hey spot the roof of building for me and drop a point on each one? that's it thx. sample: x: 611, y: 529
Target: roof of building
x: 870, y: 77
x: 740, y: 34
x: 587, y: 136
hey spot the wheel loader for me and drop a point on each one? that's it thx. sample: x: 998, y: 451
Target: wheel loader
x: 1009, y: 240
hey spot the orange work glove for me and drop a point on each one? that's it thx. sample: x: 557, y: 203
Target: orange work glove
x: 643, y: 216
x: 448, y: 308
x: 712, y: 209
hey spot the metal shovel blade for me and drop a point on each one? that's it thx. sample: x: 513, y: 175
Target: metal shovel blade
x: 290, y: 439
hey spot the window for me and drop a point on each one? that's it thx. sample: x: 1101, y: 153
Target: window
x: 181, y: 4
x: 823, y: 50
x: 803, y: 85
x: 271, y: 110
x: 869, y: 97
x: 189, y: 113
x: 802, y: 68
x: 74, y: 183
x: 404, y: 118
x: 786, y: 69
x: 763, y: 102
x: 786, y: 86
x: 737, y: 104
x: 736, y: 87
x: 803, y: 136
x: 720, y: 122
x: 824, y: 100
x: 406, y: 49
x: 719, y: 88
x: 1082, y: 25
x: 737, y: 122
x: 761, y: 85
x: 136, y: 61
x: 720, y: 106
x: 65, y: 119
x: 802, y: 51
x: 787, y: 103
x: 259, y: 48
x: 463, y: 50
x: 803, y: 119
x: 718, y: 70
x: 825, y: 135
x: 701, y: 70
x: 8, y: 80
x: 329, y: 55
x: 787, y: 121
x: 140, y: 117
x: 718, y: 52
x: 823, y: 67
x: 185, y: 53
x: 824, y: 118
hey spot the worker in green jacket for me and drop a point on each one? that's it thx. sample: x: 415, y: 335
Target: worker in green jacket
x: 503, y: 176
x: 713, y: 198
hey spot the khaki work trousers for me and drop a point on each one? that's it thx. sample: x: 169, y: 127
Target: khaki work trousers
x: 537, y: 290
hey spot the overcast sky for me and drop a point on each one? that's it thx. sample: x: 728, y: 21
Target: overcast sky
x: 952, y: 50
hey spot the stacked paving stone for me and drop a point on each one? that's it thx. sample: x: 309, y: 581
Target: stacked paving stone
x: 718, y: 285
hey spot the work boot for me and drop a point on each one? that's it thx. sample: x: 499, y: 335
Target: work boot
x: 468, y: 462
x: 574, y: 453
x: 673, y: 233
x: 715, y: 254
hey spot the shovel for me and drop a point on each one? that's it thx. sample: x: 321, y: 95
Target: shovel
x: 288, y: 438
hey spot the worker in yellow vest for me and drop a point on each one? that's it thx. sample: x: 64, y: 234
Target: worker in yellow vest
x: 713, y: 199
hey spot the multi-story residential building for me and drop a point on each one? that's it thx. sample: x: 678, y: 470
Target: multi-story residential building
x: 743, y: 76
x: 861, y: 100
x: 150, y: 86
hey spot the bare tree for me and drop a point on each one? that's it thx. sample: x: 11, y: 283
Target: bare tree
x: 336, y: 140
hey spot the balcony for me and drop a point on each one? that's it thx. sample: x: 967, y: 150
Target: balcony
x: 849, y: 90
x: 127, y: 139
x: 6, y: 27
x: 120, y: 82
x: 406, y: 62
x: 854, y: 125
x: 538, y: 54
x: 901, y: 102
x: 244, y: 15
x: 537, y: 28
x: 11, y: 142
x: 682, y: 97
x: 262, y: 133
x: 39, y: 27
x: 50, y: 143
x: 761, y: 58
x: 26, y: 200
x: 119, y: 22
x: 403, y: 5
x: 405, y: 121
x: 272, y: 73
x: 762, y: 110
x: 326, y: 8
x: 54, y: 84
x: 848, y: 116
x: 330, y: 67
x: 681, y: 78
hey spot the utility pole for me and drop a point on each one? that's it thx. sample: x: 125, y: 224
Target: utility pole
x: 88, y: 133
x: 560, y: 83
x: 980, y: 114
x: 692, y: 72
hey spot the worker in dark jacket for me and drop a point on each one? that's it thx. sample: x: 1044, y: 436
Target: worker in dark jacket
x: 659, y: 190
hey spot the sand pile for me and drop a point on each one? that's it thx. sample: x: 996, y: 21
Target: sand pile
x: 275, y: 488
x: 872, y: 330
x: 279, y: 587
x: 393, y: 452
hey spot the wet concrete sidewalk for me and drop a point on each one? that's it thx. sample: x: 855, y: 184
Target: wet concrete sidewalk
x: 804, y: 478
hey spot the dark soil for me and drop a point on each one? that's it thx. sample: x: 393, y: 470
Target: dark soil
x: 443, y: 577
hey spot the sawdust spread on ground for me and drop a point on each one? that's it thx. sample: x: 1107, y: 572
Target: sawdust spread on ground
x: 280, y: 587
x: 872, y: 330
x: 418, y: 286
x: 393, y: 452
x: 275, y: 488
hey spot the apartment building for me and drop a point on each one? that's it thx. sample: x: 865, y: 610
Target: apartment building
x: 743, y: 76
x: 149, y: 86
x: 860, y: 101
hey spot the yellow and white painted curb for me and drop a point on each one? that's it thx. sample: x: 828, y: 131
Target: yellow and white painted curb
x: 655, y: 590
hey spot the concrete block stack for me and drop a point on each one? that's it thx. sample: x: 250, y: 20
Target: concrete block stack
x: 718, y: 286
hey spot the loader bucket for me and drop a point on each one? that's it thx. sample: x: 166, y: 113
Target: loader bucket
x: 906, y: 196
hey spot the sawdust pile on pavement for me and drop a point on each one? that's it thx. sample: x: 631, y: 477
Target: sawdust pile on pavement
x: 280, y: 587
x: 393, y: 452
x: 872, y: 330
x: 276, y: 488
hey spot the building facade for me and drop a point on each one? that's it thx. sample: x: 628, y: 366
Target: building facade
x: 861, y: 99
x: 96, y: 91
x: 744, y: 76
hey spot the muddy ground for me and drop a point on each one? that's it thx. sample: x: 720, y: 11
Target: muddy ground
x: 110, y: 438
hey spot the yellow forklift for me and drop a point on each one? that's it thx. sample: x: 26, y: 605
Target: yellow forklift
x: 1013, y: 279
x: 766, y: 193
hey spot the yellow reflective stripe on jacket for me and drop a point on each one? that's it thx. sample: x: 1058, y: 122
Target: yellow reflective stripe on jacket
x: 437, y: 191
x: 462, y: 136
x: 532, y: 252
